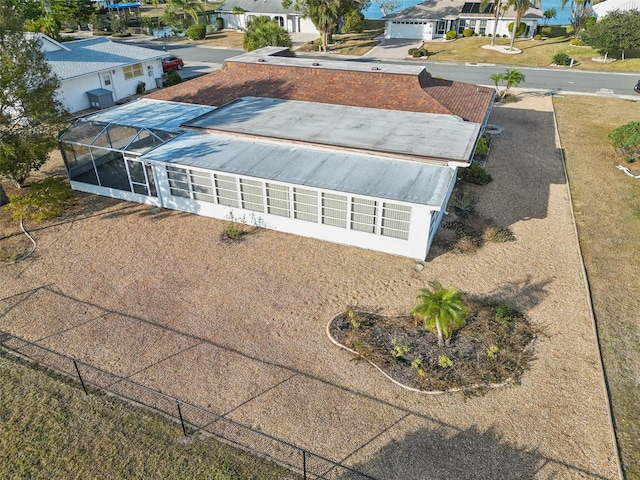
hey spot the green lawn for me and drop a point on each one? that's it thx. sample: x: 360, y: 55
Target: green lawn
x: 50, y: 429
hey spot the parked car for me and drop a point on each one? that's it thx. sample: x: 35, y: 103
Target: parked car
x: 172, y: 63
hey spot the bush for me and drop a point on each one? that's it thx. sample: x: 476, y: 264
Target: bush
x: 498, y: 234
x: 141, y: 88
x: 537, y: 36
x: 451, y: 34
x: 219, y: 23
x: 354, y: 22
x: 576, y: 42
x: 121, y: 34
x: 482, y: 148
x: 626, y: 140
x: 474, y: 174
x: 171, y: 78
x: 467, y: 32
x: 545, y: 31
x: 522, y: 27
x: 412, y: 51
x: 418, y: 52
x: 561, y: 58
x: 47, y: 199
x: 197, y: 32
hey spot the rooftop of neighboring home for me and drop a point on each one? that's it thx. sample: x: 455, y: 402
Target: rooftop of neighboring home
x: 275, y: 72
x: 452, y: 9
x: 82, y: 57
x: 257, y: 6
x: 603, y: 8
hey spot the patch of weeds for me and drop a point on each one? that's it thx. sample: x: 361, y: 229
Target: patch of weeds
x: 234, y: 228
x: 505, y: 314
x: 497, y: 234
x: 444, y: 361
x: 42, y: 201
x: 467, y: 245
x: 398, y: 351
x: 474, y: 174
x: 492, y: 351
x: 464, y: 202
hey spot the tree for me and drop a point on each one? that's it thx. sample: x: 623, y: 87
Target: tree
x: 442, y: 310
x: 626, y: 140
x: 520, y: 7
x: 497, y: 78
x: 264, y: 32
x: 386, y: 6
x: 188, y: 7
x: 326, y: 14
x: 498, y: 8
x: 353, y: 22
x: 614, y: 33
x: 30, y: 114
x: 580, y: 13
x: 549, y: 13
x: 512, y: 78
x: 72, y: 12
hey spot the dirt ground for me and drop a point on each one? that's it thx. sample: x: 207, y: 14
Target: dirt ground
x: 239, y: 328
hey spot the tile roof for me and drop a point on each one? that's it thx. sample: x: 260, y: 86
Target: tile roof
x: 277, y: 73
x: 94, y: 55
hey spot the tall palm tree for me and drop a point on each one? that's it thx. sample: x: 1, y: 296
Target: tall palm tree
x: 498, y: 8
x: 520, y: 7
x: 188, y: 7
x: 442, y: 310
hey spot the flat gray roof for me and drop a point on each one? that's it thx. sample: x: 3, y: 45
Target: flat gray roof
x: 152, y: 114
x: 421, y: 136
x: 316, y: 167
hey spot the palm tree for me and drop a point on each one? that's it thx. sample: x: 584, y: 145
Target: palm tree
x: 520, y: 7
x: 188, y: 7
x: 498, y: 8
x: 497, y: 78
x: 512, y: 78
x: 549, y: 13
x: 263, y: 32
x: 442, y: 310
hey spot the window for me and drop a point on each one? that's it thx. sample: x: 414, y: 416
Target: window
x: 178, y: 182
x: 363, y: 215
x: 483, y: 27
x: 202, y: 186
x: 396, y: 220
x: 132, y: 71
x: 251, y: 194
x: 278, y: 199
x: 226, y: 190
x: 279, y: 21
x: 334, y: 210
x: 305, y: 204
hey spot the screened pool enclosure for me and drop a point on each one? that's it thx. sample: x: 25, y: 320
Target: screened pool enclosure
x: 280, y: 164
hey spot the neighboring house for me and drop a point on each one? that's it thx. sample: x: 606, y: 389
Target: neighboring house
x: 236, y: 14
x: 347, y: 152
x: 434, y: 18
x: 603, y: 8
x: 99, y: 68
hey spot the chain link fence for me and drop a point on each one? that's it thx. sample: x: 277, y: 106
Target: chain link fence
x: 192, y: 418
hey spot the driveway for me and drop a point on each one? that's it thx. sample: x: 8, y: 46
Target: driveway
x: 239, y: 328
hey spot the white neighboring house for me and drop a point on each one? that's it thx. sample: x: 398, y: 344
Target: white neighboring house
x: 236, y: 14
x: 603, y: 8
x: 101, y: 67
x: 434, y: 18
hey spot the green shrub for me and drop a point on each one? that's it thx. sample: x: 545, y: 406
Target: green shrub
x: 141, y: 88
x: 121, y: 34
x: 418, y: 52
x: 626, y: 140
x: 197, y: 32
x: 561, y: 58
x: 474, y: 174
x: 171, y: 78
x: 482, y: 148
x: 451, y: 34
x: 47, y: 199
x: 522, y: 27
x: 576, y: 42
x: 467, y: 32
x: 545, y: 31
x: 424, y: 52
x: 505, y: 314
x: 219, y: 23
x: 354, y: 22
x: 412, y: 51
x: 464, y: 202
x: 537, y: 36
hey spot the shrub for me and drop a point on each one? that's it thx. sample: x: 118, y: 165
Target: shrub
x: 412, y: 51
x: 489, y: 34
x: 141, y: 88
x: 482, y: 148
x: 561, y: 58
x: 626, y: 140
x: 172, y: 77
x: 576, y: 42
x: 545, y: 31
x: 537, y: 36
x: 219, y: 23
x: 464, y: 202
x: 121, y: 34
x: 498, y: 234
x: 197, y: 32
x: 474, y: 174
x: 522, y: 27
x: 424, y: 52
x: 47, y: 199
x: 418, y: 52
x: 451, y: 34
x: 505, y: 314
x: 504, y: 35
x: 354, y: 22
x: 467, y: 32
x: 466, y: 245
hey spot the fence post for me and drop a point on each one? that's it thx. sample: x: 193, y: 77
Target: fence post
x: 304, y: 464
x: 75, y: 364
x: 184, y: 429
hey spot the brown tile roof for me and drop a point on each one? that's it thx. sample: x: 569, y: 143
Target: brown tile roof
x: 390, y: 87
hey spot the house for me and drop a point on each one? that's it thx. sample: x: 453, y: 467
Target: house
x: 237, y: 13
x: 96, y: 72
x: 434, y: 18
x: 340, y: 151
x: 603, y: 8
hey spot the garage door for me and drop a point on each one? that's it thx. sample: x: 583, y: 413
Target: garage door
x: 406, y: 29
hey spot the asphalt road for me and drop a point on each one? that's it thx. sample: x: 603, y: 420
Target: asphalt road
x: 203, y: 59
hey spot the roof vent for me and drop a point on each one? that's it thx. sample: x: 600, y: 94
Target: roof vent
x: 262, y: 60
x: 315, y: 64
x: 375, y: 68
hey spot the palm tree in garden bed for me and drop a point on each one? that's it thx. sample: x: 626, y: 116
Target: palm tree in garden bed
x: 442, y: 310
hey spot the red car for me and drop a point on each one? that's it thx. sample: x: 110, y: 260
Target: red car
x: 172, y: 63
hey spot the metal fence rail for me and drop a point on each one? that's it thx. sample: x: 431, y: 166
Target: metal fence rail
x: 193, y: 419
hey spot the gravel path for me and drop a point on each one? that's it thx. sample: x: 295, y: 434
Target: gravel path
x: 239, y: 328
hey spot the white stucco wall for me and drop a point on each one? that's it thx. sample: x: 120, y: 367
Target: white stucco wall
x: 426, y: 30
x: 292, y: 23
